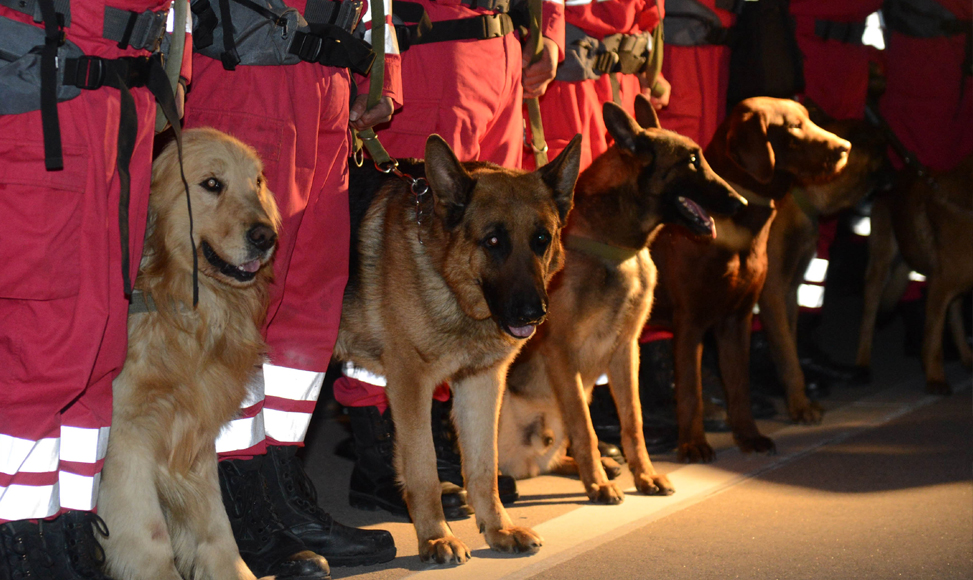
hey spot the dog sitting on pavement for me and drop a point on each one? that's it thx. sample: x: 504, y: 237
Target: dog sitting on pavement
x: 188, y: 366
x: 763, y: 148
x: 446, y: 284
x: 601, y: 300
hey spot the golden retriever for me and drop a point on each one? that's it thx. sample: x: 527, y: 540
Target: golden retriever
x: 187, y: 367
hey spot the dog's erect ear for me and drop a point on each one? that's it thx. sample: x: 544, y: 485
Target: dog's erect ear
x: 620, y: 125
x: 645, y: 113
x: 449, y: 181
x: 561, y: 174
x: 748, y: 146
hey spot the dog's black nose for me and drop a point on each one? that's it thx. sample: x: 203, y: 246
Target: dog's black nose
x: 262, y: 237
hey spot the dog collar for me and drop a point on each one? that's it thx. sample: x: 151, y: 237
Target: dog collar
x: 751, y: 197
x: 612, y: 254
x: 800, y: 198
x: 141, y: 303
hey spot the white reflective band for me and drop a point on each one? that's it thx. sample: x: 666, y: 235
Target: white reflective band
x: 817, y: 271
x: 79, y: 492
x: 171, y: 18
x: 873, y: 35
x: 391, y: 40
x: 602, y: 380
x: 916, y: 277
x: 240, y: 434
x: 84, y: 445
x: 24, y: 455
x: 360, y: 374
x: 23, y: 502
x: 862, y: 226
x: 293, y: 384
x: 810, y: 296
x: 286, y: 426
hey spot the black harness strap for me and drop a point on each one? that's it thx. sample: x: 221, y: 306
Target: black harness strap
x: 51, y: 125
x: 332, y: 46
x: 230, y: 57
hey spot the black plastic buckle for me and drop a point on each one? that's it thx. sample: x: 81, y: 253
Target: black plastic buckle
x: 307, y: 47
x: 89, y: 73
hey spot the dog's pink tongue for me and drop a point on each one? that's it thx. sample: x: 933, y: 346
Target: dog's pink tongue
x: 522, y: 331
x: 251, y: 266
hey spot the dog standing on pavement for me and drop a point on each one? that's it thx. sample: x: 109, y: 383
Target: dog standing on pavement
x: 762, y: 148
x: 188, y: 366
x: 446, y: 284
x: 929, y: 221
x: 601, y: 300
x: 791, y: 245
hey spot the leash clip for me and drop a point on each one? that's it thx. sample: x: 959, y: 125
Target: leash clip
x: 418, y: 186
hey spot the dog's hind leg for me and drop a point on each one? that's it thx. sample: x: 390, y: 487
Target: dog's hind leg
x: 415, y: 462
x: 687, y: 354
x: 201, y: 537
x: 138, y: 546
x: 476, y: 409
x: 938, y: 298
x: 959, y: 334
x: 623, y: 379
x: 882, y: 249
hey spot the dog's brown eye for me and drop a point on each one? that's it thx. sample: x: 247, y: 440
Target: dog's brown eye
x: 694, y: 160
x: 492, y: 242
x: 212, y: 185
x: 260, y: 180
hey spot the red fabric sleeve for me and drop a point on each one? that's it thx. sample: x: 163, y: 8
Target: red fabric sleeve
x: 552, y: 25
x: 392, y: 83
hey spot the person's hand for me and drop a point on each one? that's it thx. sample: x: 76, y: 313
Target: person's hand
x: 537, y: 76
x: 180, y: 98
x: 659, y: 93
x: 361, y: 119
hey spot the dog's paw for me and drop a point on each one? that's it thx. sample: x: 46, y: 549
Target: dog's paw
x: 514, y: 540
x: 611, y: 467
x: 654, y: 485
x: 756, y: 444
x: 938, y: 388
x: 696, y: 453
x: 807, y: 414
x: 608, y: 493
x: 448, y: 550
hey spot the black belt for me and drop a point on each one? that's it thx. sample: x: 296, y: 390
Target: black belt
x: 474, y: 28
x: 331, y: 45
x: 846, y: 32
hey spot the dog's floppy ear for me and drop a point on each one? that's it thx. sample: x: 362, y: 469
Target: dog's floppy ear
x: 561, y: 175
x: 449, y: 181
x: 645, y: 114
x: 620, y: 125
x: 748, y: 146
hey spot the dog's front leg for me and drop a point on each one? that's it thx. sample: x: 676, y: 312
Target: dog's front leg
x: 687, y: 356
x: 204, y: 540
x: 623, y: 379
x: 415, y: 463
x: 565, y: 381
x: 476, y: 408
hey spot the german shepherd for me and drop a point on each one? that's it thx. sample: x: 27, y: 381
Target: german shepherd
x: 187, y: 368
x: 601, y: 300
x: 447, y: 285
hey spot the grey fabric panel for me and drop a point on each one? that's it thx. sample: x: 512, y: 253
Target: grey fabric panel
x: 20, y: 67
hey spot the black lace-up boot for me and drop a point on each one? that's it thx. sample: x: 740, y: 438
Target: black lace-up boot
x: 265, y: 545
x: 64, y: 548
x: 449, y: 462
x: 374, y: 484
x: 296, y: 502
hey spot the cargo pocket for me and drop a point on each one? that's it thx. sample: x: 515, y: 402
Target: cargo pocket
x: 42, y: 214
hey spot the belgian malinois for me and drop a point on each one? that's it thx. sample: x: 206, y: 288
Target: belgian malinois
x: 447, y: 285
x: 601, y: 300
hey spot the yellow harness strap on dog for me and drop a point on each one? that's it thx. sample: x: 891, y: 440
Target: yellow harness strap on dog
x: 376, y: 81
x: 538, y: 144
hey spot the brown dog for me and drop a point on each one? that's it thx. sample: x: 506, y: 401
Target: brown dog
x: 187, y: 368
x: 929, y: 221
x: 763, y: 147
x: 446, y: 286
x: 791, y: 245
x: 601, y: 300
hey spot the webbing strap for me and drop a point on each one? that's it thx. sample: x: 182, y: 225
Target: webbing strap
x: 474, y: 28
x: 534, y: 46
x: 376, y: 82
x: 50, y: 124
x: 34, y: 8
x: 134, y: 29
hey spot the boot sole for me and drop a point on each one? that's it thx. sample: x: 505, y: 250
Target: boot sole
x: 363, y: 560
x: 372, y: 504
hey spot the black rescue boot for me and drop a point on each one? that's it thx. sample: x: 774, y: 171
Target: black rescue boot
x: 296, y: 502
x: 61, y: 549
x: 265, y: 545
x: 449, y: 461
x: 374, y: 484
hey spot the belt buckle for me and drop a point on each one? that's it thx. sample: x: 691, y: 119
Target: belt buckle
x: 310, y: 46
x: 90, y: 72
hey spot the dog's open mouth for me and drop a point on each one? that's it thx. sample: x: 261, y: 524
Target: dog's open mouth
x: 695, y: 217
x: 242, y: 273
x: 520, y: 331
